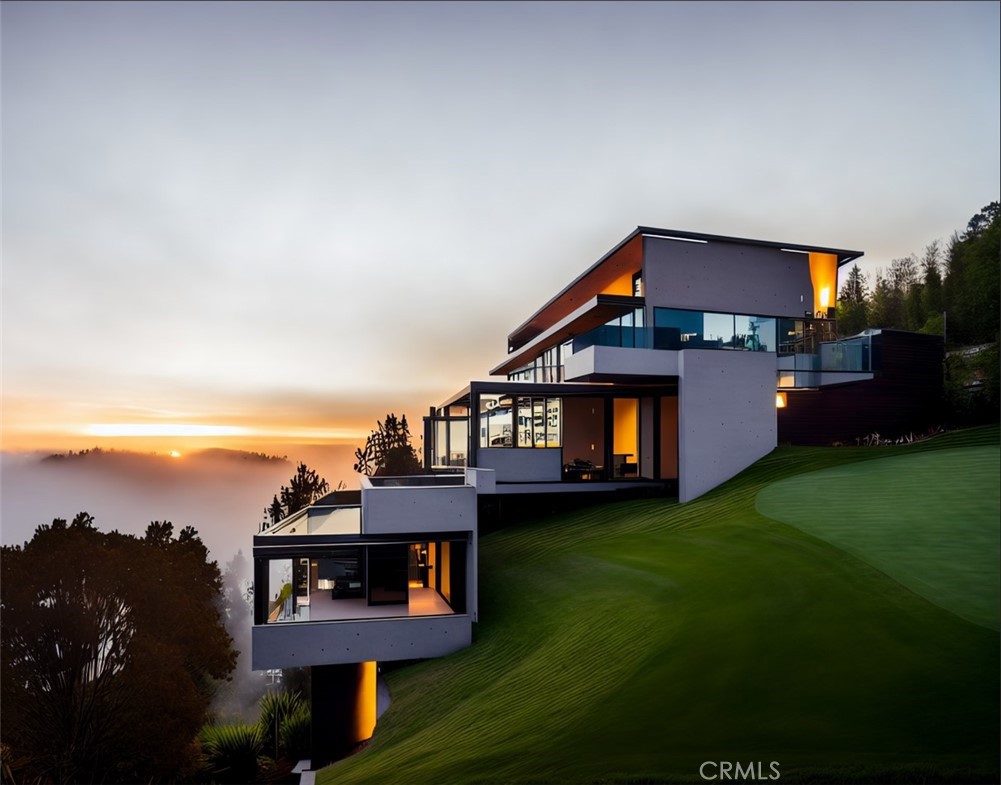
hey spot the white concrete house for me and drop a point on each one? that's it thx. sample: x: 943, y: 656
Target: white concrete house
x: 659, y: 366
x: 357, y: 578
x: 662, y: 369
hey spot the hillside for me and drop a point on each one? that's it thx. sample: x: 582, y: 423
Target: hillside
x: 634, y: 641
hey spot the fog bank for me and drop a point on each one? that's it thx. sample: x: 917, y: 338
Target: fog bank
x: 221, y: 493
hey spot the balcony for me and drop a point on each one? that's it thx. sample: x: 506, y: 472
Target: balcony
x: 440, y: 503
x: 829, y: 362
x: 597, y: 363
x: 391, y: 578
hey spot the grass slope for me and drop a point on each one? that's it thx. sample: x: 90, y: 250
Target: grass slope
x: 928, y: 520
x: 631, y: 642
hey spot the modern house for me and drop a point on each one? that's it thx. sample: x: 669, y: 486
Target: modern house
x: 385, y: 574
x: 662, y: 364
x: 668, y: 366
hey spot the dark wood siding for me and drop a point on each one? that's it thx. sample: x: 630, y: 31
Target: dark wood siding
x: 905, y: 396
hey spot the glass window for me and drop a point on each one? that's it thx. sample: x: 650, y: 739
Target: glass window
x: 754, y: 333
x: 553, y: 422
x: 458, y: 437
x: 676, y: 329
x: 440, y: 450
x: 525, y: 430
x: 501, y: 423
x: 387, y: 574
x: 539, y: 422
x: 717, y: 330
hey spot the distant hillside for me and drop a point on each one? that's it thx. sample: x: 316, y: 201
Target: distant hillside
x: 222, y: 493
x: 634, y: 642
x: 100, y: 453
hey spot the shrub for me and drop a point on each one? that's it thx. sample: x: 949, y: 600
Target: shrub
x: 276, y: 709
x: 232, y: 752
x: 294, y: 734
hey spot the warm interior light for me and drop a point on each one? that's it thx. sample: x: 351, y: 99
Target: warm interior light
x: 780, y: 400
x: 824, y: 278
x: 365, y: 702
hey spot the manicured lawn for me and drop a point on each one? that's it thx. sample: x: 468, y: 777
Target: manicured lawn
x: 632, y: 642
x: 928, y: 520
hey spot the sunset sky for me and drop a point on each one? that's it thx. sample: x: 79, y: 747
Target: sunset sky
x: 279, y: 221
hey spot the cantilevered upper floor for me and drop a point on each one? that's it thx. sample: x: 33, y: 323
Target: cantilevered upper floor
x: 668, y: 289
x: 392, y: 577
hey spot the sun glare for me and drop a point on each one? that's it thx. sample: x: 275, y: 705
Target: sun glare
x: 175, y: 454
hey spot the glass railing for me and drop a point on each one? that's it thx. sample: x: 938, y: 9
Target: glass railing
x: 812, y: 369
x: 611, y: 335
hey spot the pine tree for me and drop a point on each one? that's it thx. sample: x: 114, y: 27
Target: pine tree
x: 852, y: 310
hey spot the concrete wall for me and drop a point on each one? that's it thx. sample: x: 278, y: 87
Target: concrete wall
x: 399, y: 510
x: 483, y: 480
x: 726, y: 408
x: 522, y: 464
x: 297, y: 644
x: 727, y: 278
x: 619, y: 361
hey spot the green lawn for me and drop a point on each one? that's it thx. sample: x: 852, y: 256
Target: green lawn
x: 928, y: 520
x: 632, y: 642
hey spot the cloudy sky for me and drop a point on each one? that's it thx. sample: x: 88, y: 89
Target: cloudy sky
x: 280, y: 221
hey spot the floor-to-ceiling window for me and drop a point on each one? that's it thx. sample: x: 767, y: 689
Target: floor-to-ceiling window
x: 522, y: 421
x: 679, y: 329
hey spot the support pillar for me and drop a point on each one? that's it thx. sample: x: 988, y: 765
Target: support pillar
x: 343, y: 707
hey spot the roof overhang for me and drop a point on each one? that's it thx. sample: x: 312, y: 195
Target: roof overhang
x: 625, y: 257
x: 595, y: 312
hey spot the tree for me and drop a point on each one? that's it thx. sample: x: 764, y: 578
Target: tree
x: 972, y: 279
x: 882, y: 306
x: 388, y: 451
x: 932, y: 295
x: 111, y: 650
x: 305, y: 487
x: 914, y: 308
x: 903, y: 274
x: 852, y: 316
x: 979, y: 222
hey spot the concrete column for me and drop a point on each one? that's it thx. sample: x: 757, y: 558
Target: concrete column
x: 343, y: 709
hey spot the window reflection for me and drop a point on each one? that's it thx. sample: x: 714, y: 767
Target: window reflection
x: 677, y: 329
x: 526, y: 421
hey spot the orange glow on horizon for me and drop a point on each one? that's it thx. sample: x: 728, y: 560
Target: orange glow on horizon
x: 175, y: 454
x: 42, y: 425
x: 163, y: 429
